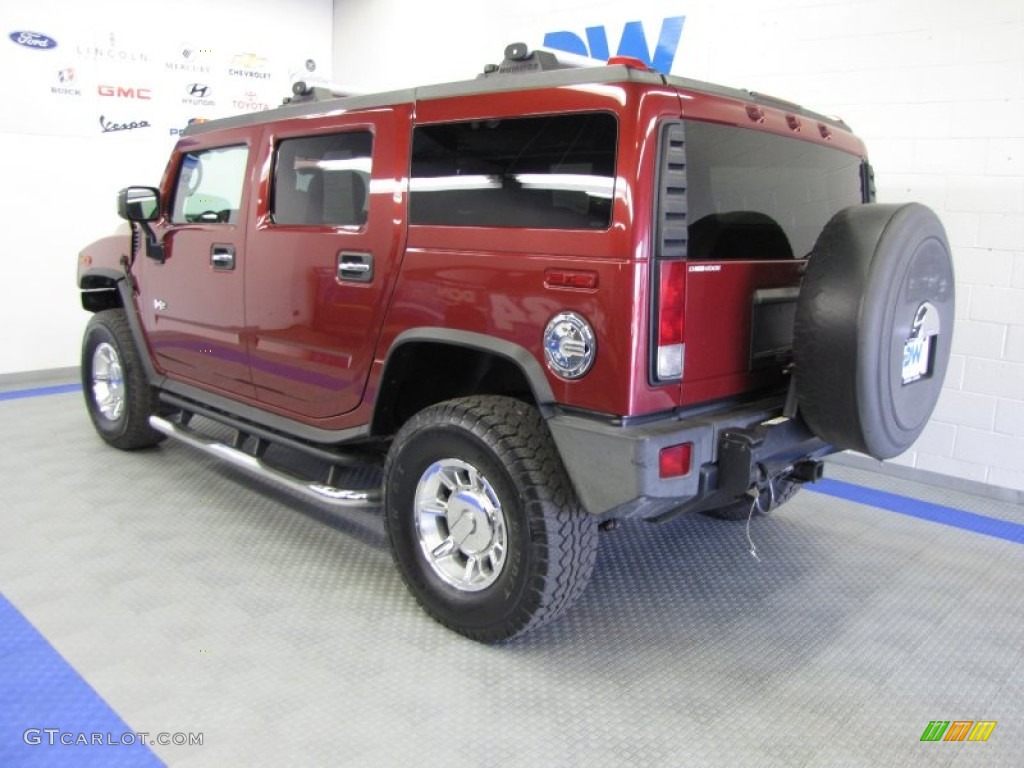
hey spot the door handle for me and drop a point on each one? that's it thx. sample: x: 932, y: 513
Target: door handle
x: 222, y: 256
x: 355, y: 267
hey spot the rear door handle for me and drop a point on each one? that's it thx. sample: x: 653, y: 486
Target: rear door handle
x: 222, y: 256
x: 355, y: 267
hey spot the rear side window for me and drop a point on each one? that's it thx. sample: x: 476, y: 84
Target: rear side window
x: 209, y: 186
x: 551, y: 172
x: 323, y: 180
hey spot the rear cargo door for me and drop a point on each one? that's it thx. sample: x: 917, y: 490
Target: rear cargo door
x: 756, y: 203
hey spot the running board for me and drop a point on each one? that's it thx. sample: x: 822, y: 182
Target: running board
x: 336, y: 497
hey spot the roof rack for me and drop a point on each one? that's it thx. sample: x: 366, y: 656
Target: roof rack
x: 519, y: 60
x: 302, y: 92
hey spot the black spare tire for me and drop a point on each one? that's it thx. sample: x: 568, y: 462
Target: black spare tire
x: 874, y: 326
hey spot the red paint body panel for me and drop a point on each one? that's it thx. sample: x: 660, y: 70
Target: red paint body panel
x: 311, y: 336
x: 199, y: 337
x: 717, y: 328
x: 283, y: 333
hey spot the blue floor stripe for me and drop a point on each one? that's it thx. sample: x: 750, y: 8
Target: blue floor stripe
x: 39, y: 690
x: 923, y: 510
x: 59, y: 389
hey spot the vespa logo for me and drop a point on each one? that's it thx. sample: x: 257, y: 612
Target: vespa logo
x: 33, y: 40
x: 124, y: 93
x: 632, y: 43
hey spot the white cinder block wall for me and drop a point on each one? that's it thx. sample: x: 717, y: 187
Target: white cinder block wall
x: 935, y: 87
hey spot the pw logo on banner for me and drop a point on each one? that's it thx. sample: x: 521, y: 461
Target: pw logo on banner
x: 632, y: 43
x: 958, y: 730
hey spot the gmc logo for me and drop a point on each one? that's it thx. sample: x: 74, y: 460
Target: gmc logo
x: 124, y: 93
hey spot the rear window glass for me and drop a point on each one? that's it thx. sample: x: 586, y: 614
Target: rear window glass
x: 756, y: 195
x: 551, y: 172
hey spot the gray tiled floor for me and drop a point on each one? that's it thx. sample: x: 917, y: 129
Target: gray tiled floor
x: 193, y: 599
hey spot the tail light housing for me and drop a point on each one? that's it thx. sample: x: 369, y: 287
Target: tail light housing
x: 669, y: 316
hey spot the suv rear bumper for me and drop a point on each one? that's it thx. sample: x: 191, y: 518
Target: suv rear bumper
x: 615, y: 469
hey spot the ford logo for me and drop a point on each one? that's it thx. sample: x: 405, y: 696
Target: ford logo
x: 33, y: 40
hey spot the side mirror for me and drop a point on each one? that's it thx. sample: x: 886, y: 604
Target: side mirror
x: 138, y: 203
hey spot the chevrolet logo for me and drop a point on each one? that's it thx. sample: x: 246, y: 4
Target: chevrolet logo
x: 249, y: 61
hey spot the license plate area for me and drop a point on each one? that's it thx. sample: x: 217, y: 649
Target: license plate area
x: 918, y: 357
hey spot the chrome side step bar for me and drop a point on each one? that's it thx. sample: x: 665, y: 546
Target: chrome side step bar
x: 321, y: 492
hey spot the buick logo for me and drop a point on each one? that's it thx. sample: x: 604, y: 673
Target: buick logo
x: 198, y: 89
x: 33, y: 40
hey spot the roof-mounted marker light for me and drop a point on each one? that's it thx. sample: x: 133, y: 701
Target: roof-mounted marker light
x: 629, y: 61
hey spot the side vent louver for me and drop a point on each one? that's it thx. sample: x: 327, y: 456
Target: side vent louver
x: 672, y: 219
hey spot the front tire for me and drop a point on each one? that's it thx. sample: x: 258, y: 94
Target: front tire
x: 484, y: 525
x: 117, y: 395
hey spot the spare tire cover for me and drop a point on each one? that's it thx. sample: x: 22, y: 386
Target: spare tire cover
x: 874, y: 327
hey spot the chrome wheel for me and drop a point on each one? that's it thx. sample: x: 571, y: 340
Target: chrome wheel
x: 107, y: 382
x: 461, y: 525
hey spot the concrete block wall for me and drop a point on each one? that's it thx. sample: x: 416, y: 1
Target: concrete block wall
x: 935, y: 87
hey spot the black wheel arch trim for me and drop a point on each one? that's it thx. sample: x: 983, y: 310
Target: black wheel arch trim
x: 519, y: 356
x: 124, y: 286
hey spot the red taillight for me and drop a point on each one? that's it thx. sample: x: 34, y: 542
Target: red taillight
x: 674, y: 461
x: 671, y: 301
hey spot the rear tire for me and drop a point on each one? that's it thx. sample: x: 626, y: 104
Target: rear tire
x: 877, y: 291
x: 117, y: 395
x: 484, y: 525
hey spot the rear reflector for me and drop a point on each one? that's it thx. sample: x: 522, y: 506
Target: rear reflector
x: 674, y: 461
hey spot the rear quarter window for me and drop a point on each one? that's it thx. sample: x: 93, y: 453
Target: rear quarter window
x: 547, y: 172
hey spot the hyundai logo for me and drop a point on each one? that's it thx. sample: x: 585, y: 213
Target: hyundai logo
x: 198, y: 89
x: 33, y: 40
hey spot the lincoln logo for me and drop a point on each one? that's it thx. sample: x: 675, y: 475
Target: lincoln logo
x: 124, y: 93
x: 198, y: 89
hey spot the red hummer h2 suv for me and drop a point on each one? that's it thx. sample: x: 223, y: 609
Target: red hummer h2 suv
x: 512, y: 309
